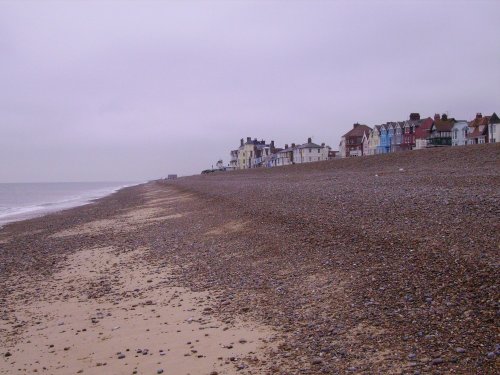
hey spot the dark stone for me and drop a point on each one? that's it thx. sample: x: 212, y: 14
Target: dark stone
x: 437, y: 361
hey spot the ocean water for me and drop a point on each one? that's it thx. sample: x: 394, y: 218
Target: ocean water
x: 19, y: 201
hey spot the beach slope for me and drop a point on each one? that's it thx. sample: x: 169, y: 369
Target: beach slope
x: 382, y: 264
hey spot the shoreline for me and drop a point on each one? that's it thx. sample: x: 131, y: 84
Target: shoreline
x: 345, y: 266
x: 41, y: 209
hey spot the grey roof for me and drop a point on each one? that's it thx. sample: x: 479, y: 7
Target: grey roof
x: 309, y: 145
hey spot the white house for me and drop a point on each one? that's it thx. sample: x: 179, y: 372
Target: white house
x: 366, y: 143
x: 342, y: 148
x: 233, y: 162
x: 459, y: 133
x: 285, y: 156
x: 494, y: 128
x: 310, y: 152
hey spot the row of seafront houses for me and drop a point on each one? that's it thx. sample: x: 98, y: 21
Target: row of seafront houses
x: 416, y: 133
x: 412, y: 134
x: 255, y: 154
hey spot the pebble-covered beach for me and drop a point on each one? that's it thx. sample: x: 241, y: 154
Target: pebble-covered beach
x: 373, y: 265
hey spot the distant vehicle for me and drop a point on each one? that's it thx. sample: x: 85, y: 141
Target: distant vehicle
x: 171, y: 177
x: 207, y: 171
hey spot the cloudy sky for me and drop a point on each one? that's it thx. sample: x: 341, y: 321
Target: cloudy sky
x: 134, y: 90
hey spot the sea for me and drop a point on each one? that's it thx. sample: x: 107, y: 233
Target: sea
x: 20, y: 201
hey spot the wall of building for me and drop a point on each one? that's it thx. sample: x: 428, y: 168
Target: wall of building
x: 494, y: 132
x: 459, y: 133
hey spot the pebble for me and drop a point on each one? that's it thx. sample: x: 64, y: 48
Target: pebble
x: 317, y: 361
x: 437, y: 361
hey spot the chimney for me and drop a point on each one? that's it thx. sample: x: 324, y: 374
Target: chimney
x: 414, y: 116
x: 437, y: 116
x: 241, y: 142
x: 444, y: 117
x: 249, y: 139
x: 293, y: 145
x: 356, y: 124
x: 309, y: 140
x: 286, y: 146
x: 271, y: 145
x: 322, y: 145
x: 479, y: 115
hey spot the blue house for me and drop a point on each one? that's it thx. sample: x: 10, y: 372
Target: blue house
x: 385, y: 139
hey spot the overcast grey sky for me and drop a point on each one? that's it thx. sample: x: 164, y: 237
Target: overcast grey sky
x: 136, y: 90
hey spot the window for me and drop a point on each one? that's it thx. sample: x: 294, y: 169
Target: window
x: 318, y: 150
x: 310, y: 150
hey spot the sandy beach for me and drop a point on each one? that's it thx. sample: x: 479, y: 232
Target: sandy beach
x: 119, y: 311
x: 384, y: 264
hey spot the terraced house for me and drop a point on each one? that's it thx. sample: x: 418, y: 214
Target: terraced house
x: 409, y: 128
x: 283, y: 157
x: 478, y: 130
x: 423, y: 133
x: 351, y: 143
x: 386, y: 133
x: 373, y: 141
x: 416, y: 133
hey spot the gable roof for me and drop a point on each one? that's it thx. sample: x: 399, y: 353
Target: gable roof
x: 478, y: 131
x: 494, y: 119
x: 422, y: 131
x: 443, y: 125
x: 479, y: 121
x: 357, y: 131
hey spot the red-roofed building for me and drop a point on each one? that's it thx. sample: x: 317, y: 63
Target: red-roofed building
x: 423, y: 133
x: 478, y: 130
x: 409, y: 129
x: 351, y: 143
